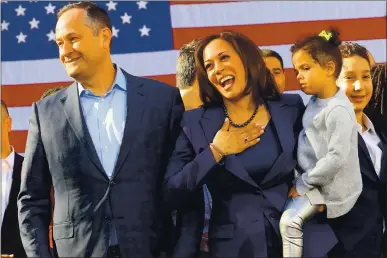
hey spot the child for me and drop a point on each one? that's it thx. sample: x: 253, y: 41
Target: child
x: 327, y: 146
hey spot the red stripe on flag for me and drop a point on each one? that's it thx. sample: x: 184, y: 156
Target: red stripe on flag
x: 26, y: 93
x: 290, y: 32
x: 18, y: 140
x: 35, y: 90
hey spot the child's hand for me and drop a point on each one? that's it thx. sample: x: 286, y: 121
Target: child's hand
x: 293, y: 192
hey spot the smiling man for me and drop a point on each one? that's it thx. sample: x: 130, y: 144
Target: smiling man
x: 103, y: 144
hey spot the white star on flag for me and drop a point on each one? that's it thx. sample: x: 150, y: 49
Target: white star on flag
x: 144, y: 31
x: 115, y: 32
x: 126, y: 18
x: 51, y: 35
x: 4, y: 25
x: 34, y: 23
x: 20, y: 11
x: 141, y: 5
x: 21, y: 38
x: 50, y: 8
x: 111, y: 5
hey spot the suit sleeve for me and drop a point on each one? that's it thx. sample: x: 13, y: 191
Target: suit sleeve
x: 34, y: 195
x: 186, y: 170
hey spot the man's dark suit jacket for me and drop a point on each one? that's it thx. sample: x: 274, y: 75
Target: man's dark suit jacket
x: 60, y: 152
x: 361, y: 228
x: 10, y: 235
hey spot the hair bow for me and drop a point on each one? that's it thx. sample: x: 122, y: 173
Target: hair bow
x: 325, y: 35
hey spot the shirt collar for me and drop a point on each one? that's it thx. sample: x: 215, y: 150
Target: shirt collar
x: 119, y: 82
x: 11, y: 158
x: 368, y: 124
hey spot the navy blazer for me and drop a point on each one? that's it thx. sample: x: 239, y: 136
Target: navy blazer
x: 239, y: 204
x: 60, y: 152
x: 10, y: 236
x: 365, y: 219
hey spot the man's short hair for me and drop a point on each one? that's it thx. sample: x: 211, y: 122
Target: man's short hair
x: 51, y: 91
x: 271, y: 53
x: 3, y: 105
x: 186, y: 67
x: 98, y: 17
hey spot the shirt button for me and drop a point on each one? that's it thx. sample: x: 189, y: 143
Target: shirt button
x: 111, y: 182
x: 105, y: 149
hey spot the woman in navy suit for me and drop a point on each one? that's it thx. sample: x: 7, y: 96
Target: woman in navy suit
x: 241, y: 144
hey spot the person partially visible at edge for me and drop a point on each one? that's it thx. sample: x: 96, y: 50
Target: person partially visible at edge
x: 362, y: 230
x: 328, y: 164
x: 377, y: 106
x: 51, y: 91
x: 186, y: 78
x: 275, y: 64
x: 188, y: 84
x: 103, y: 144
x: 11, y: 164
x: 241, y: 144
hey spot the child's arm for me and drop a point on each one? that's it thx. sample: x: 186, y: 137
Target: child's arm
x: 339, y: 130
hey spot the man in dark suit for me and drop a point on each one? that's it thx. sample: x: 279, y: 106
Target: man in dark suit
x: 11, y: 164
x: 103, y: 144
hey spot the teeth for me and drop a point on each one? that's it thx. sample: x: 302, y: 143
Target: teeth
x: 228, y: 77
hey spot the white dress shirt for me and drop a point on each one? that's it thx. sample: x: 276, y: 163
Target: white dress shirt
x: 372, y: 142
x: 6, y: 180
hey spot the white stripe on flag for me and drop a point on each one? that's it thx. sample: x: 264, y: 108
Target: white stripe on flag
x: 261, y: 12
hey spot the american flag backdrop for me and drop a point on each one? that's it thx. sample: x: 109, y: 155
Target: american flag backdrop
x: 147, y: 36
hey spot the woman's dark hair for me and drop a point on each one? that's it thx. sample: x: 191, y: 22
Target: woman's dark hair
x: 323, y: 48
x: 379, y: 82
x: 259, y: 80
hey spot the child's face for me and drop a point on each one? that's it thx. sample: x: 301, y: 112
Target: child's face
x: 310, y: 75
x: 355, y: 80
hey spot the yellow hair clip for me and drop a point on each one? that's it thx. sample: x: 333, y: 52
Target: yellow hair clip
x: 325, y: 35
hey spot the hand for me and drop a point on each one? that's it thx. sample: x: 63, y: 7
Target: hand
x: 293, y: 192
x: 237, y: 140
x: 7, y: 256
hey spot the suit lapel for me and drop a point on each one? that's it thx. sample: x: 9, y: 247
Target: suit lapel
x: 211, y: 122
x: 371, y: 173
x: 383, y: 168
x: 135, y: 107
x: 10, y: 214
x: 73, y: 112
x: 285, y: 135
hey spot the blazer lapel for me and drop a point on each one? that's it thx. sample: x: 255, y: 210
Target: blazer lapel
x: 383, y: 168
x: 211, y: 122
x: 371, y: 173
x: 285, y: 135
x: 73, y: 112
x: 135, y: 107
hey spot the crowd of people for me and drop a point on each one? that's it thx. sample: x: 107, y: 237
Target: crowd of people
x: 225, y: 164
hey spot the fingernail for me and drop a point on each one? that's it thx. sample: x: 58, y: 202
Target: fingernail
x: 262, y: 131
x: 226, y: 119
